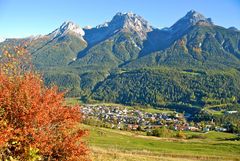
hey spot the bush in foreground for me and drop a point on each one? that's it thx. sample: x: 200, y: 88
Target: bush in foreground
x: 34, y: 122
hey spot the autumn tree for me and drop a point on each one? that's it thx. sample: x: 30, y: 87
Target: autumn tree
x: 35, y: 123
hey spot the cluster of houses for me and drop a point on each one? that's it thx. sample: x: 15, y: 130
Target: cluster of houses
x: 133, y: 119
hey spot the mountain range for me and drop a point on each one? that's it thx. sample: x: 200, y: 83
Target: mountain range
x: 126, y: 60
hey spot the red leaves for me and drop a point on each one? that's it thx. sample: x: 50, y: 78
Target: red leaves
x: 35, y: 117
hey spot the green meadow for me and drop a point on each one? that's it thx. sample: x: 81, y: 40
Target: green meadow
x: 108, y: 144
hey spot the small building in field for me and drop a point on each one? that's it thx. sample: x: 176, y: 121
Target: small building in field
x: 220, y: 129
x: 206, y: 129
x: 231, y: 112
x: 193, y: 128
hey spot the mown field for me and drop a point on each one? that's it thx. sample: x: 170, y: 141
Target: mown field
x: 108, y: 144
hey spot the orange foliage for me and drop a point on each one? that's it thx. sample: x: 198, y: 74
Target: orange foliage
x: 197, y: 50
x: 182, y: 43
x: 34, y: 122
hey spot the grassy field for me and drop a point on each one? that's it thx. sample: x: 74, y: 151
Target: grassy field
x: 108, y: 144
x: 72, y: 101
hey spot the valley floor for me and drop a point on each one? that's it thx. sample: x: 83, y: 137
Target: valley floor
x: 115, y: 145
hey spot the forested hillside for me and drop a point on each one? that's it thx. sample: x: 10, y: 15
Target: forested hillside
x: 191, y: 64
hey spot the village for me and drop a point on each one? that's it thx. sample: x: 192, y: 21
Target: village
x: 134, y: 119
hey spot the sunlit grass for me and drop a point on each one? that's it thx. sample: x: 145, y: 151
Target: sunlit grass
x: 103, y: 141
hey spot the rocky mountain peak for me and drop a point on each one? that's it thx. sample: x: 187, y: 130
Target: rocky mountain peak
x: 194, y: 17
x: 190, y: 19
x: 2, y: 39
x: 68, y: 27
x: 233, y: 28
x: 130, y: 21
x: 192, y: 14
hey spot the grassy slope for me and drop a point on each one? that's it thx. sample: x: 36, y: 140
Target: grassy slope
x: 107, y: 144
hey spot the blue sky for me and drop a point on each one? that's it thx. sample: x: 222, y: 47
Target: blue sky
x: 21, y: 18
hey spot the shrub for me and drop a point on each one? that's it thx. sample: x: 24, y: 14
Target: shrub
x: 181, y: 135
x: 161, y: 132
x: 196, y: 136
x: 35, y: 124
